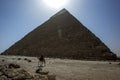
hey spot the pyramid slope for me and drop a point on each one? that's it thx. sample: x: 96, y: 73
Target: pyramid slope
x: 62, y: 36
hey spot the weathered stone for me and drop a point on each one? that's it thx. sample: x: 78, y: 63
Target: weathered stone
x: 16, y: 74
x: 19, y: 58
x: 10, y: 73
x: 51, y: 77
x: 25, y: 58
x: 40, y: 77
x: 3, y: 60
x: 1, y: 73
x: 24, y: 74
x: 29, y: 60
x: 42, y: 72
x: 11, y: 65
x: 38, y: 70
x: 3, y: 77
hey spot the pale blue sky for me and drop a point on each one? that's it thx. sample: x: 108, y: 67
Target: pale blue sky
x: 19, y: 17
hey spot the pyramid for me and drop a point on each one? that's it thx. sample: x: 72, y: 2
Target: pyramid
x: 62, y: 36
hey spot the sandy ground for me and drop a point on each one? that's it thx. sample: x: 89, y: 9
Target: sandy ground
x: 71, y: 69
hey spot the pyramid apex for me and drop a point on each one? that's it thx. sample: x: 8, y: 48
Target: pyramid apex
x: 63, y: 11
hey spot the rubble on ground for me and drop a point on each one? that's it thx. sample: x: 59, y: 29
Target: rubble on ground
x: 12, y: 71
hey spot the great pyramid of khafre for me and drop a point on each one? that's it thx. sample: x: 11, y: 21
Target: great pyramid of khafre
x: 62, y: 36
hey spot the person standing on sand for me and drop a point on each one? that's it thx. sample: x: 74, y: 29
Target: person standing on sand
x: 41, y: 61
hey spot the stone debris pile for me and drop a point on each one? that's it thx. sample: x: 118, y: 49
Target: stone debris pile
x: 12, y: 71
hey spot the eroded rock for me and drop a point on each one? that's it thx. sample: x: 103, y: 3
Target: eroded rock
x: 11, y: 71
x: 11, y: 65
x: 3, y: 77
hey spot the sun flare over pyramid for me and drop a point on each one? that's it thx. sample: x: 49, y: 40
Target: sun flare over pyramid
x: 62, y: 36
x: 56, y: 3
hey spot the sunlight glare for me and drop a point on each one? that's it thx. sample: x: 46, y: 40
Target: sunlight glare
x: 56, y: 3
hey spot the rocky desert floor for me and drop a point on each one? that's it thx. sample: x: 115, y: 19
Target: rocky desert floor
x: 65, y: 69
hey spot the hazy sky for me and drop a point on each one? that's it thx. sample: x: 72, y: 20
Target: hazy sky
x: 19, y: 17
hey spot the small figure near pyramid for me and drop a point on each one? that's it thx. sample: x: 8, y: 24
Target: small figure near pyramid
x: 41, y: 61
x: 41, y: 65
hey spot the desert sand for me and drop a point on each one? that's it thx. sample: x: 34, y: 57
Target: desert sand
x: 65, y: 69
